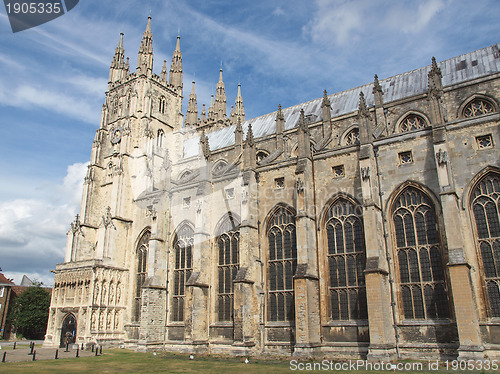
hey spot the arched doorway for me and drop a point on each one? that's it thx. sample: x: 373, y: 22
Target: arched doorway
x: 68, y: 330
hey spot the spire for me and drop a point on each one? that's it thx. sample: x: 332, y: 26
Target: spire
x: 434, y: 77
x: 211, y: 109
x: 175, y: 78
x: 304, y: 141
x: 377, y: 92
x: 192, y: 110
x: 116, y: 72
x: 145, y: 59
x: 280, y: 121
x: 239, y: 109
x: 164, y: 72
x: 238, y: 133
x: 327, y: 109
x: 362, y: 108
x: 203, y: 114
x: 220, y: 100
x: 250, y: 140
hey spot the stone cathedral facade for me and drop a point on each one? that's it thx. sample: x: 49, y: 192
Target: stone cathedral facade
x: 362, y: 224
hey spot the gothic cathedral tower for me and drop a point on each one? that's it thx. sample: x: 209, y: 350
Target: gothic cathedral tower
x: 95, y: 294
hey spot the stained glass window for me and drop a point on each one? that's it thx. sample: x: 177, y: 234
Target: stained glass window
x: 282, y: 264
x: 183, y: 248
x: 412, y: 122
x: 485, y: 201
x: 478, y: 107
x: 352, y: 137
x: 419, y: 257
x: 142, y: 266
x: 228, y: 248
x: 346, y: 261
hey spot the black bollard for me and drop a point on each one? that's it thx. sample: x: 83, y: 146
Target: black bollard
x: 100, y: 350
x: 34, y: 355
x: 92, y: 347
x: 67, y: 347
x: 57, y: 354
x: 96, y: 351
x: 4, y: 356
x: 31, y: 350
x: 82, y: 347
x: 77, y: 353
x: 14, y: 345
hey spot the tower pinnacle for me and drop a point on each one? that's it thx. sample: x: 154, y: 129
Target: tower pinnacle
x: 175, y: 78
x: 145, y: 59
x: 117, y: 71
x: 220, y: 106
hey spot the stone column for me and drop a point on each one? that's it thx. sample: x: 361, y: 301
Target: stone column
x: 246, y: 301
x: 306, y: 281
x: 378, y: 293
x: 466, y: 315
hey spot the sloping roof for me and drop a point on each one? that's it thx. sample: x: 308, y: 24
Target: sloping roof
x: 4, y: 281
x: 454, y: 70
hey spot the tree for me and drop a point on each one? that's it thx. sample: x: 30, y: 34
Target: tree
x: 29, y: 312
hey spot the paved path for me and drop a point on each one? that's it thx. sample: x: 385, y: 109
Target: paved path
x: 21, y: 353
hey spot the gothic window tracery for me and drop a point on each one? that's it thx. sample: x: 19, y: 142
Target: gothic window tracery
x: 423, y: 289
x: 142, y: 265
x: 183, y: 248
x: 346, y: 261
x: 478, y: 107
x: 261, y: 155
x: 412, y: 122
x: 485, y: 204
x: 228, y: 264
x: 352, y: 137
x: 159, y: 138
x: 162, y: 103
x: 282, y: 264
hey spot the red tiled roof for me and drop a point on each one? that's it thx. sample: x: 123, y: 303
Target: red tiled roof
x: 4, y: 280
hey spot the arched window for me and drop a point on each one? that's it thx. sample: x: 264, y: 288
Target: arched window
x: 183, y: 247
x: 282, y: 264
x: 228, y: 248
x: 412, y: 122
x: 162, y: 103
x: 346, y: 261
x: 478, y: 107
x: 261, y: 155
x: 352, y: 137
x: 485, y: 204
x: 142, y: 266
x: 419, y: 256
x: 159, y: 138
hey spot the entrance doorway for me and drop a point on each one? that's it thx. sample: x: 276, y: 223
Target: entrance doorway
x: 68, y: 331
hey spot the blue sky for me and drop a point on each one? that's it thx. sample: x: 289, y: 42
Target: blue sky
x: 53, y: 79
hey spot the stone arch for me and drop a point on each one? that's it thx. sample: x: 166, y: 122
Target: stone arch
x: 344, y: 258
x: 68, y: 329
x: 419, y: 254
x: 477, y: 97
x: 484, y: 211
x: 408, y: 114
x: 344, y: 137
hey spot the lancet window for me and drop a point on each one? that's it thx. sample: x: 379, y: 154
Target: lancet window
x: 142, y: 266
x: 346, y: 261
x: 228, y: 264
x: 183, y: 248
x: 282, y: 264
x: 485, y: 203
x: 419, y: 256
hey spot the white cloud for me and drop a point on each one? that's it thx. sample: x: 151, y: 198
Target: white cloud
x: 28, y: 96
x: 32, y: 231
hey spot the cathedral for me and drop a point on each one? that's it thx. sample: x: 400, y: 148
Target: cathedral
x: 362, y: 224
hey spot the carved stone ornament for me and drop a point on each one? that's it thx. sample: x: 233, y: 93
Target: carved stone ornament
x: 365, y: 173
x: 442, y: 157
x: 116, y: 135
x: 107, y: 218
x: 299, y: 186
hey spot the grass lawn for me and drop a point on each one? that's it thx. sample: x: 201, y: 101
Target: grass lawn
x: 124, y: 361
